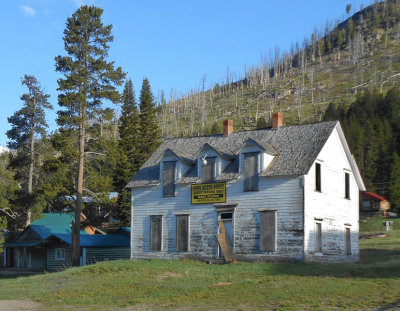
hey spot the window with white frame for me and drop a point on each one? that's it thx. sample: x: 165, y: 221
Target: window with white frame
x: 318, y: 237
x: 182, y: 233
x: 169, y: 178
x: 155, y: 233
x: 251, y: 171
x: 60, y: 253
x: 208, y: 170
x: 346, y: 185
x: 318, y: 177
x: 268, y: 231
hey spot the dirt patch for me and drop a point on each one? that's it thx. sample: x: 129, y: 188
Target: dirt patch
x: 166, y: 275
x: 19, y: 305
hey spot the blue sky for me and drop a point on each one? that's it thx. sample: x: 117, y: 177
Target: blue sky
x: 172, y: 43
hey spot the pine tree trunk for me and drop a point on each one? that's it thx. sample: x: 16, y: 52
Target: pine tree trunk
x: 78, y: 208
x: 30, y: 173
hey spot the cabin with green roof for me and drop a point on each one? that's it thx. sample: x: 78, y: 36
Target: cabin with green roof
x: 46, y: 244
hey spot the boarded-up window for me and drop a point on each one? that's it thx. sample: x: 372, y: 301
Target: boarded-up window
x: 347, y: 185
x: 155, y: 233
x: 317, y: 177
x: 169, y: 179
x: 207, y: 174
x: 182, y: 233
x: 318, y: 237
x: 268, y: 231
x: 348, y: 242
x: 251, y: 172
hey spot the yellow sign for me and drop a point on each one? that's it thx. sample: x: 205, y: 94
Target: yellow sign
x: 209, y: 193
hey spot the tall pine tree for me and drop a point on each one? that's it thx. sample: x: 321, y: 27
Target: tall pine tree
x: 128, y: 164
x: 88, y: 78
x: 149, y: 128
x: 28, y: 124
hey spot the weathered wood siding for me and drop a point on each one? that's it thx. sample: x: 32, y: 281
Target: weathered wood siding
x: 283, y: 194
x: 329, y: 207
x: 38, y: 258
x: 95, y: 254
x: 55, y: 264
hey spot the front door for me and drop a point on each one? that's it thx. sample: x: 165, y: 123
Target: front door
x: 227, y: 220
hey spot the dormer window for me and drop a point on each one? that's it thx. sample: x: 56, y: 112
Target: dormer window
x: 169, y: 178
x: 208, y: 170
x: 251, y: 171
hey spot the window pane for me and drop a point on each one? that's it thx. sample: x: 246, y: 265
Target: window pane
x: 251, y: 172
x: 348, y: 242
x: 318, y: 238
x: 169, y: 179
x: 182, y: 233
x: 155, y: 233
x: 347, y: 185
x: 208, y: 171
x: 317, y: 176
x: 268, y: 231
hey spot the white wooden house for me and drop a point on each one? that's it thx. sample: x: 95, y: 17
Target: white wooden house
x: 283, y: 193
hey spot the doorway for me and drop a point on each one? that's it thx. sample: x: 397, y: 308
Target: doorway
x: 227, y: 220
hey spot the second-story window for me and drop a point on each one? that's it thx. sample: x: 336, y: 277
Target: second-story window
x: 169, y: 179
x: 346, y: 185
x: 250, y: 171
x: 208, y: 170
x: 317, y: 177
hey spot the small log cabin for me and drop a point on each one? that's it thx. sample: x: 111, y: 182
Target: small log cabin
x: 281, y: 193
x: 46, y: 244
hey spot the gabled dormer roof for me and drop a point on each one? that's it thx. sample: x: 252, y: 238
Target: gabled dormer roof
x: 298, y: 147
x: 262, y: 145
x: 218, y: 149
x: 177, y: 154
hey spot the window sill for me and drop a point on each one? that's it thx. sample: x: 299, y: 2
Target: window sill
x: 250, y: 190
x: 319, y: 191
x: 318, y: 254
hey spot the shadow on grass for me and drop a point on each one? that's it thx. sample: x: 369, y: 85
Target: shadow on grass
x: 373, y: 264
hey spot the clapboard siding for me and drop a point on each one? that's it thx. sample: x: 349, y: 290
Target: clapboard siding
x: 95, y: 254
x: 285, y: 195
x: 54, y: 264
x: 329, y: 207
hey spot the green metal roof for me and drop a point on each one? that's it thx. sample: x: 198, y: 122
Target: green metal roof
x: 54, y: 219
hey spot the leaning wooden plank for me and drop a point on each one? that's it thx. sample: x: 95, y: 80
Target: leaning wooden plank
x: 225, y: 244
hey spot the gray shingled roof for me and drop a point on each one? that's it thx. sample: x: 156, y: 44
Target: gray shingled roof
x: 298, y: 147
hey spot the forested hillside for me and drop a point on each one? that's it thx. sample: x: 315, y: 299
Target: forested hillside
x: 334, y: 64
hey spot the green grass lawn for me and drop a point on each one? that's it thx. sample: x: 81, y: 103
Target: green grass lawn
x: 191, y: 285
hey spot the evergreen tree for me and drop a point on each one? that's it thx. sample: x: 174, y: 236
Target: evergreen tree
x: 394, y: 185
x: 88, y: 79
x: 216, y: 128
x: 128, y: 164
x: 8, y: 188
x: 149, y: 127
x: 28, y: 124
x: 261, y: 123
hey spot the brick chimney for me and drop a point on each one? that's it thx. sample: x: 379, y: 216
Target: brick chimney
x: 277, y: 119
x: 228, y: 127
